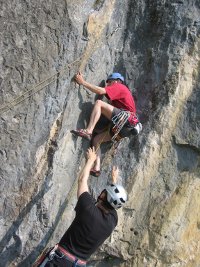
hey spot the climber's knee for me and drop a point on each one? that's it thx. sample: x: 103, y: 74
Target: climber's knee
x: 106, y: 109
x: 98, y: 103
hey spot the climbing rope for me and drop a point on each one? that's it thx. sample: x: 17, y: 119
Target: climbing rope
x: 35, y: 89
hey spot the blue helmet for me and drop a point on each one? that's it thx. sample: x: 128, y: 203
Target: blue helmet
x: 115, y: 76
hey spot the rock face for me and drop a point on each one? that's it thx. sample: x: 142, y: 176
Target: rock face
x: 156, y: 46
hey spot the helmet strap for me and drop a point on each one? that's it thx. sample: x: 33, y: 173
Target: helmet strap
x: 104, y: 206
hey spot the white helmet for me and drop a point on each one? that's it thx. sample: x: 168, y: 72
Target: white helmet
x: 116, y: 195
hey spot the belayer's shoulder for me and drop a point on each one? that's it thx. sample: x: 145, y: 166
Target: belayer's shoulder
x: 86, y: 196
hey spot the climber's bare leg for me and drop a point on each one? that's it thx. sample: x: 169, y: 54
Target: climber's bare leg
x: 96, y: 142
x: 100, y: 107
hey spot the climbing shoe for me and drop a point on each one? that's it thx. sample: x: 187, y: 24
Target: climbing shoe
x: 95, y: 173
x: 82, y: 133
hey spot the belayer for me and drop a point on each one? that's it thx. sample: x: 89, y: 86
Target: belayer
x: 93, y: 223
x: 121, y: 112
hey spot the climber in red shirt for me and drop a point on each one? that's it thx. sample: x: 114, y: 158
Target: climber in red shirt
x: 120, y: 109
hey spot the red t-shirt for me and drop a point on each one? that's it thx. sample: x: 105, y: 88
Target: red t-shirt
x: 120, y: 97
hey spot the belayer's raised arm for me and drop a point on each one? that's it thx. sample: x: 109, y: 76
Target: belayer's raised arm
x: 94, y: 221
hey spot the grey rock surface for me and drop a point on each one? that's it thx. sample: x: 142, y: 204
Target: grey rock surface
x: 156, y: 46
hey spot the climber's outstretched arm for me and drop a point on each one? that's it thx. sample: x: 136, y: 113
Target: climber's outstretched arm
x: 93, y: 88
x: 83, y: 178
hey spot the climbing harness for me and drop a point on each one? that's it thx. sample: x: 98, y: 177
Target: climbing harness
x: 121, y: 119
x: 60, y: 253
x: 47, y: 255
x: 71, y: 257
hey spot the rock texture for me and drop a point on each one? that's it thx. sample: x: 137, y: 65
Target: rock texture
x: 156, y: 46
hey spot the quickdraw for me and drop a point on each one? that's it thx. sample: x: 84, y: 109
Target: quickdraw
x: 119, y: 121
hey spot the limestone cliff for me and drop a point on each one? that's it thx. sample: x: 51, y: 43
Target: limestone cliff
x: 156, y: 46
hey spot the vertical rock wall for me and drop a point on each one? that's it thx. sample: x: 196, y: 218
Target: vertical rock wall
x: 155, y: 45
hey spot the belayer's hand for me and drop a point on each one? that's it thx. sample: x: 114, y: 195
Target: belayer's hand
x: 79, y: 78
x: 115, y: 174
x: 91, y: 154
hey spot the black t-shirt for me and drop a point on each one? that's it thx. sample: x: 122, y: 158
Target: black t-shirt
x: 89, y: 228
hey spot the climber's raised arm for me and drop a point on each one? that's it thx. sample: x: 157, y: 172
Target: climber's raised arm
x: 93, y: 88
